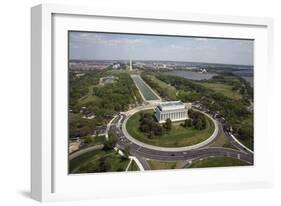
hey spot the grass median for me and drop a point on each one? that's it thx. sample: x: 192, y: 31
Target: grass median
x: 218, y: 162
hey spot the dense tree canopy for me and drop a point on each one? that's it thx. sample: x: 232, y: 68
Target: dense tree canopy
x: 235, y: 111
x: 149, y: 125
x: 111, y: 142
x: 100, y: 100
x: 198, y: 120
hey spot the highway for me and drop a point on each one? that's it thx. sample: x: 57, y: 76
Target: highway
x: 143, y: 153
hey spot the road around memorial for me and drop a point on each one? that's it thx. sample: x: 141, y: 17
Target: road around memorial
x: 143, y: 153
x: 166, y: 149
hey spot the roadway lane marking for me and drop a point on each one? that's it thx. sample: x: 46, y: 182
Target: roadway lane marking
x: 129, y: 165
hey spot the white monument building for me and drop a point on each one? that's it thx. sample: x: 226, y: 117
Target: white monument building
x: 173, y: 110
x: 131, y: 67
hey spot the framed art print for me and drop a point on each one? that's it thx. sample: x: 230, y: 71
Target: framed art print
x: 126, y: 99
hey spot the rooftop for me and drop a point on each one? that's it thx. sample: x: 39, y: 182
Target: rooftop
x: 108, y: 79
x: 171, y: 105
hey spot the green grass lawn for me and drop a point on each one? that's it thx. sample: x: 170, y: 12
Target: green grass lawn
x: 98, y: 161
x: 89, y: 97
x: 159, y: 165
x: 222, y: 141
x: 223, y: 89
x: 133, y: 166
x: 171, y: 91
x: 177, y: 137
x: 218, y: 162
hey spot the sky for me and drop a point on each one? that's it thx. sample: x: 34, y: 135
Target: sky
x: 109, y: 46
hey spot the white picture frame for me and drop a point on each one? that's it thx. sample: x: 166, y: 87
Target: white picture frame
x: 49, y: 180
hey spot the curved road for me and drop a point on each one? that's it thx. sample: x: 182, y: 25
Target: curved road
x: 143, y: 153
x: 167, y: 149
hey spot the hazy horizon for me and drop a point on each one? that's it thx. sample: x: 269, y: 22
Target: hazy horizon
x: 92, y: 46
x: 140, y: 60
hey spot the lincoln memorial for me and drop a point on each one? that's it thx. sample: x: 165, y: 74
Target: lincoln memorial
x: 173, y: 110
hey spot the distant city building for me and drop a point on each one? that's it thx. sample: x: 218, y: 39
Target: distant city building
x: 140, y: 65
x: 108, y: 79
x: 116, y: 66
x: 78, y: 75
x: 203, y: 71
x: 89, y: 115
x: 88, y: 66
x: 173, y: 110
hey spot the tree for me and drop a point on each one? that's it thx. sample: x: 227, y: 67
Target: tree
x: 144, y: 128
x: 187, y: 123
x: 88, y: 140
x: 168, y: 124
x: 245, y: 131
x: 199, y: 124
x: 198, y: 120
x: 141, y: 116
x: 157, y: 129
x: 111, y: 142
x: 117, y: 107
x: 149, y: 126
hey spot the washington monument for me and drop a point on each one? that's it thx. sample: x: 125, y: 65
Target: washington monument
x: 131, y: 68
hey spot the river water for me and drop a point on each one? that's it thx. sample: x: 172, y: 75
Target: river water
x: 247, y: 74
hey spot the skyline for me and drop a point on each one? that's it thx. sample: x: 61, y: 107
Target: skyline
x: 111, y: 46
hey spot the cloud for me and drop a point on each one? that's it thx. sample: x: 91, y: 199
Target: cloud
x: 91, y: 45
x: 111, y: 41
x: 123, y: 42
